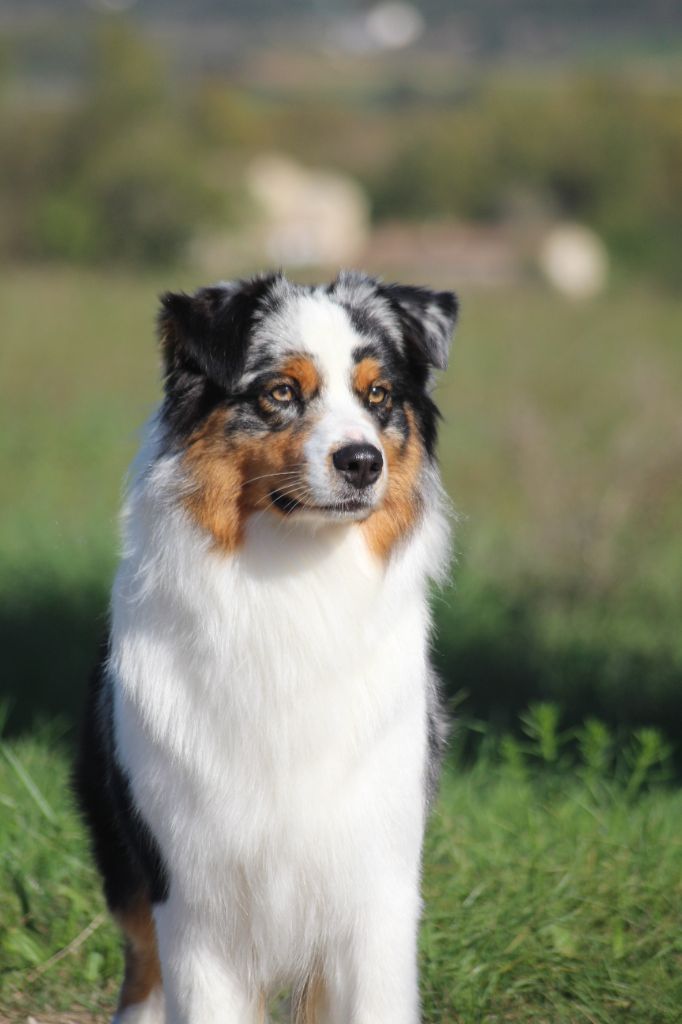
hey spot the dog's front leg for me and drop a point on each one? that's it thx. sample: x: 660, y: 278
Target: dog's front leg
x: 375, y: 980
x: 200, y: 984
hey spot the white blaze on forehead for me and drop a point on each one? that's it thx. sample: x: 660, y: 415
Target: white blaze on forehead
x: 324, y: 329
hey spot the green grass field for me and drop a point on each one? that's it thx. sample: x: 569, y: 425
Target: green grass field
x: 553, y: 889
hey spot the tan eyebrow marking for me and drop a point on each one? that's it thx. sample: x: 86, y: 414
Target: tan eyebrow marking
x: 367, y: 372
x: 305, y: 372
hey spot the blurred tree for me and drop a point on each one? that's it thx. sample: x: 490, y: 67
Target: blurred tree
x: 129, y: 169
x: 114, y: 177
x: 591, y: 148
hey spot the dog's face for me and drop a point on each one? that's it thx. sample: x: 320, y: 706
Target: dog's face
x: 305, y: 402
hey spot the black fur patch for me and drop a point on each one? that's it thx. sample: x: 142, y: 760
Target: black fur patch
x: 427, y: 319
x: 125, y: 851
x: 204, y: 341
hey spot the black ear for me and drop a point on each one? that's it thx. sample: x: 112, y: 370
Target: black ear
x: 427, y: 319
x: 207, y: 334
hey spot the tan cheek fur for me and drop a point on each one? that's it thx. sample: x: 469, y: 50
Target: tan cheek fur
x: 402, y: 505
x: 232, y: 476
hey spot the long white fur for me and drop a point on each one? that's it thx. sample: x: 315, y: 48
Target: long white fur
x: 270, y: 711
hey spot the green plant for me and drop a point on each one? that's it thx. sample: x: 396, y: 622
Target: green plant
x: 596, y: 747
x: 647, y: 759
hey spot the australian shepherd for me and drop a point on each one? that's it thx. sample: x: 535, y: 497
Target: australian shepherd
x: 263, y: 734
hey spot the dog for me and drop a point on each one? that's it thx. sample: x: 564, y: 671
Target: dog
x: 263, y: 734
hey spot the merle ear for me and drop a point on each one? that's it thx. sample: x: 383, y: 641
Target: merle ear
x: 207, y: 334
x: 427, y: 318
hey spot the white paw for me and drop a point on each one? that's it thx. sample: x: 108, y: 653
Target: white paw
x: 151, y: 1011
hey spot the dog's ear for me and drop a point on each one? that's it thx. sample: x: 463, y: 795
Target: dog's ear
x: 207, y: 334
x: 427, y: 319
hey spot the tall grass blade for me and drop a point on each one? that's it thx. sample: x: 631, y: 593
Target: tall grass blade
x: 30, y: 785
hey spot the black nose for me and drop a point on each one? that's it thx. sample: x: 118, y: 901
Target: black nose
x: 360, y: 464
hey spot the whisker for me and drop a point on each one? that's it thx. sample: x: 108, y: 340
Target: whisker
x: 298, y: 496
x: 272, y: 476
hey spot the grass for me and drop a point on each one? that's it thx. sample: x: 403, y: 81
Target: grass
x: 546, y: 904
x: 553, y: 886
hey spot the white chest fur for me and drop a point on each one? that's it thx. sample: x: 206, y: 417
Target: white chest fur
x: 271, y: 715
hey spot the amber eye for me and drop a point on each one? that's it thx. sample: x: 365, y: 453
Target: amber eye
x: 377, y: 395
x: 283, y: 393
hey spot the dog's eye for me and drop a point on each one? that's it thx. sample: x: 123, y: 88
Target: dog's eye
x: 283, y: 393
x: 377, y: 395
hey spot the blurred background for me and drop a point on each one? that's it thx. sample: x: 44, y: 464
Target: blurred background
x: 528, y: 155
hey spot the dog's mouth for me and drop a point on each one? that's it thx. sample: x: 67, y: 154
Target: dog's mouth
x: 287, y: 504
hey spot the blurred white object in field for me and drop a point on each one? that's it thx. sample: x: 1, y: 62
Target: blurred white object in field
x: 307, y: 216
x: 384, y: 26
x: 574, y: 259
x: 392, y: 26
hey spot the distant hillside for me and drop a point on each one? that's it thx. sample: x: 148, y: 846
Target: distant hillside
x: 663, y: 12
x: 508, y: 26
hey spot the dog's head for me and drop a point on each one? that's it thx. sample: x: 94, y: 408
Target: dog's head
x: 306, y: 402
